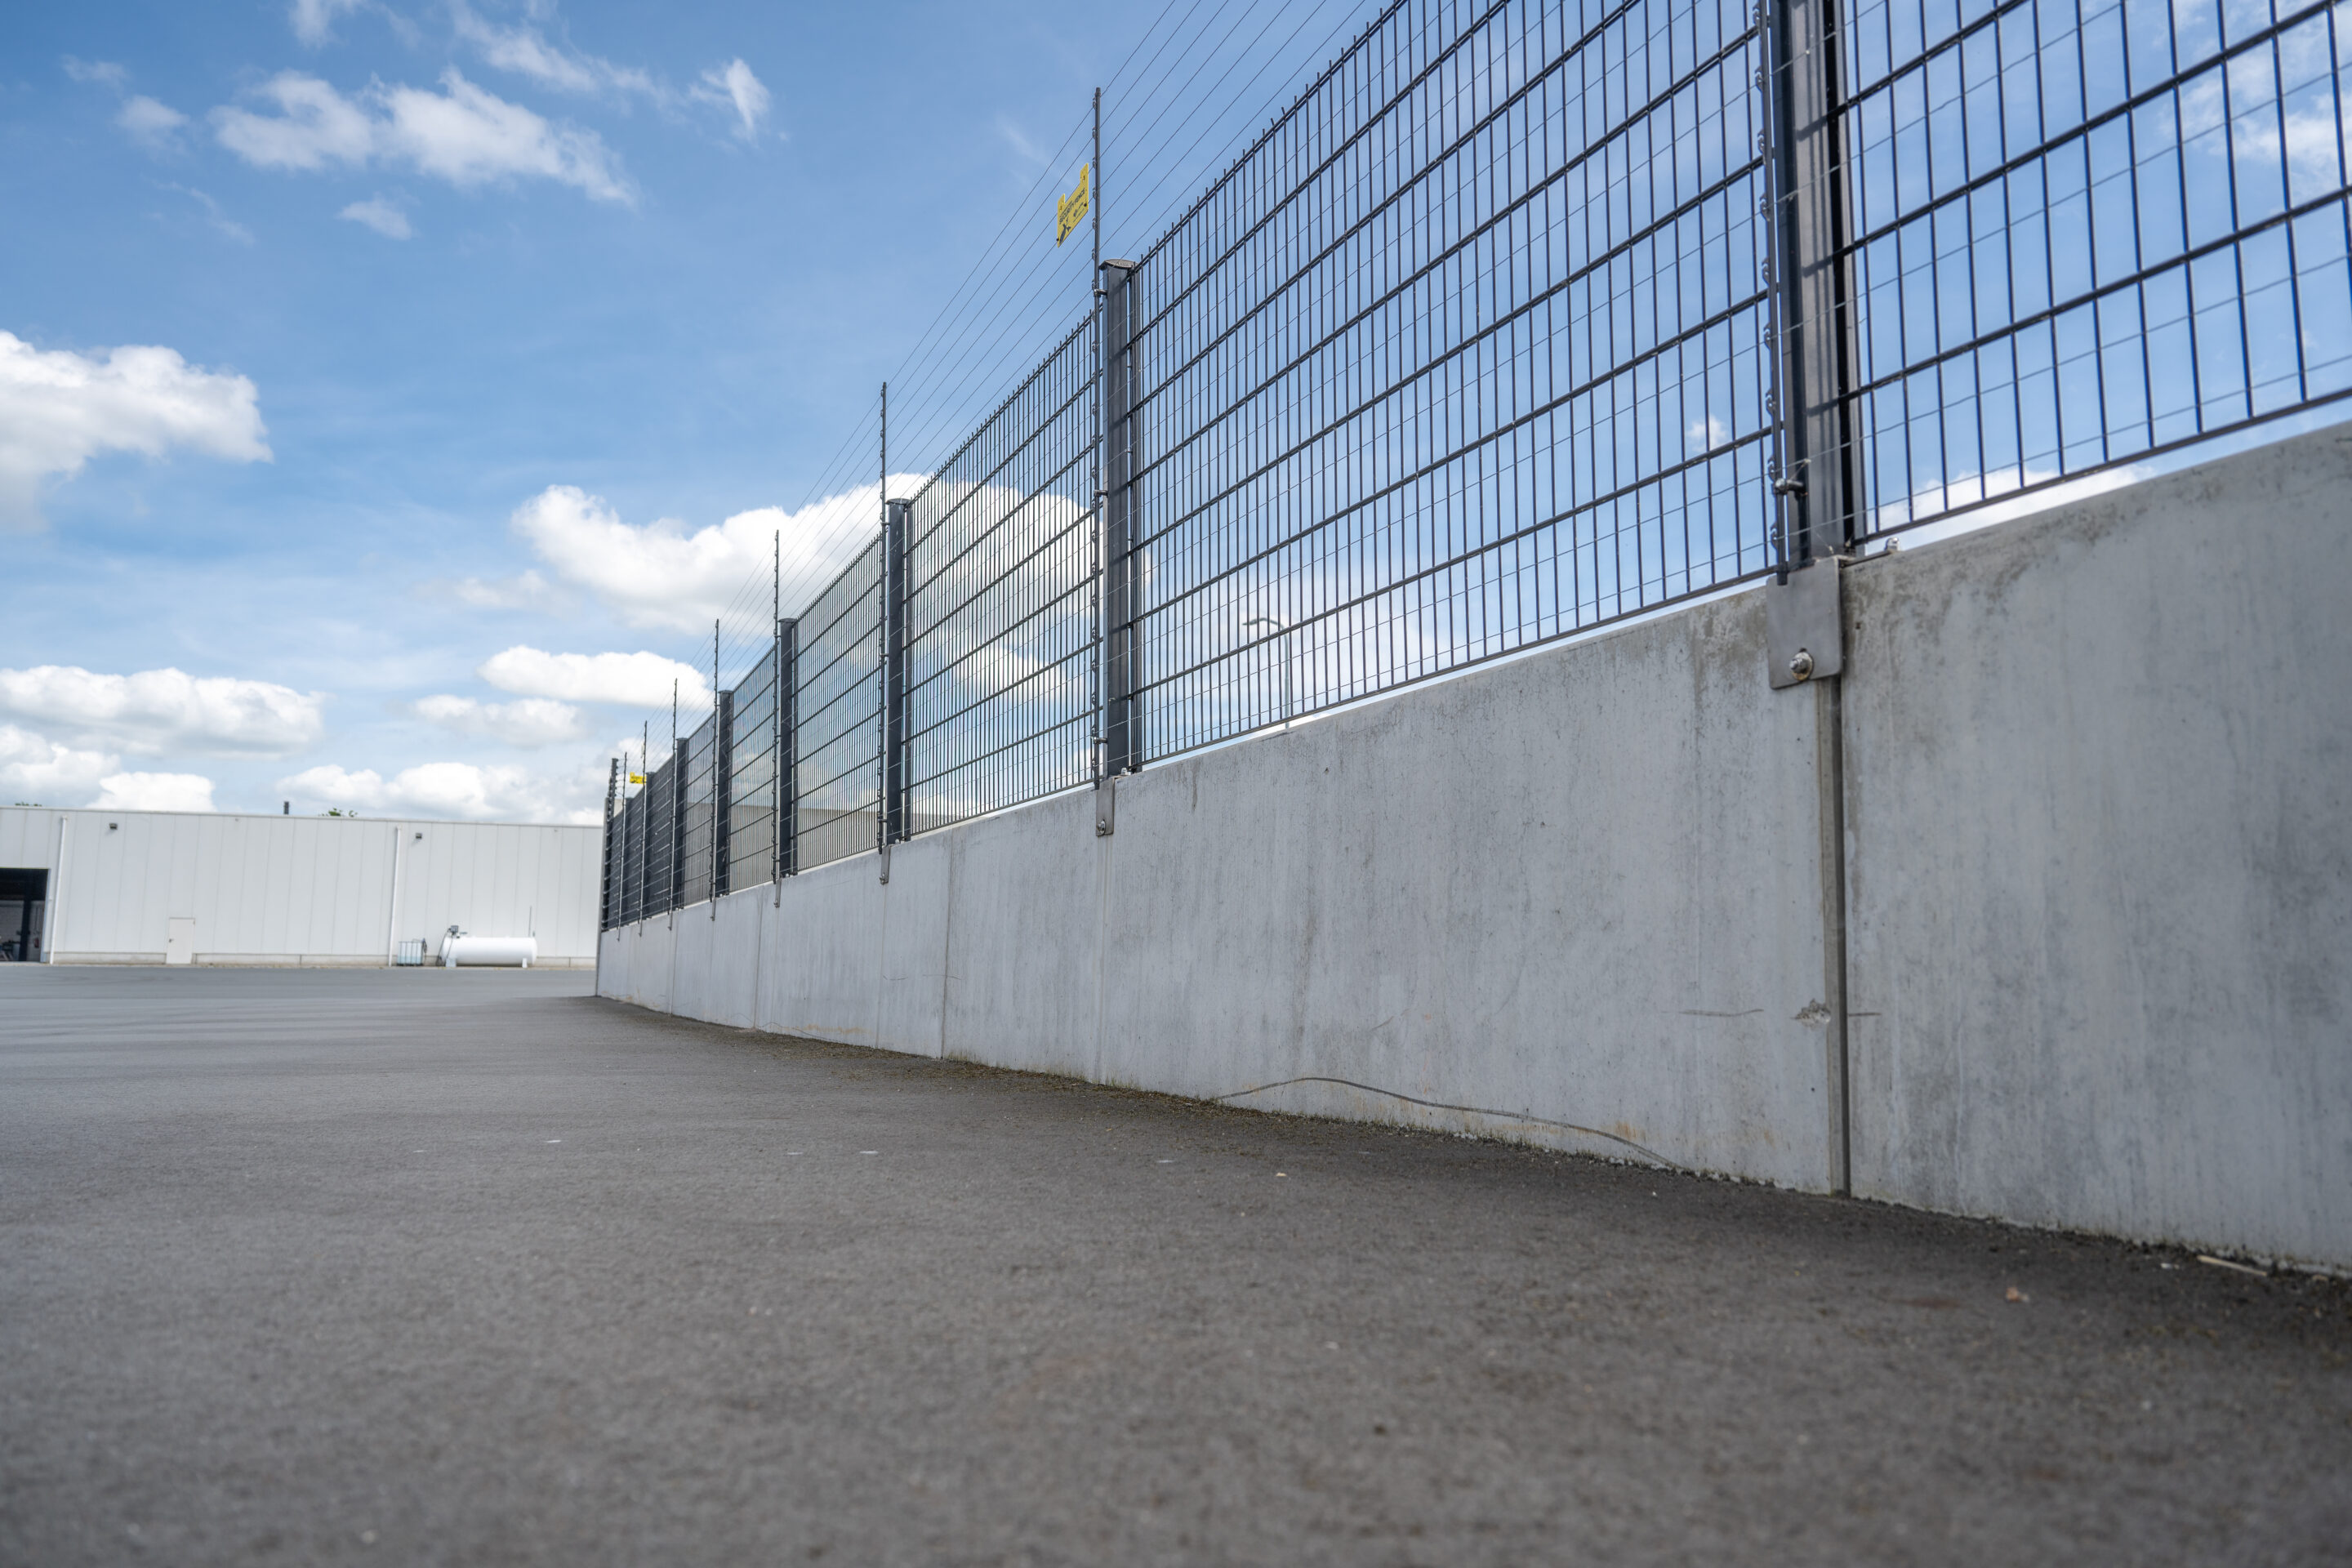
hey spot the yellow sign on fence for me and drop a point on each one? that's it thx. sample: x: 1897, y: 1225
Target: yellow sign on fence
x: 1071, y: 210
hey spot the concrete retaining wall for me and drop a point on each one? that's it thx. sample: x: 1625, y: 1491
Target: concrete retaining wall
x: 2099, y: 805
x: 2098, y: 892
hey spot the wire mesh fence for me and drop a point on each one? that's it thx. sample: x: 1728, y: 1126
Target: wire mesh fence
x: 2086, y: 230
x: 753, y: 715
x: 1526, y: 317
x: 1000, y: 620
x: 837, y: 800
x: 654, y: 848
x: 700, y: 854
x: 1464, y: 355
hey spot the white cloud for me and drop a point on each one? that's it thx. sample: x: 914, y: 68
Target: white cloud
x: 33, y: 769
x: 314, y: 126
x: 314, y: 20
x: 216, y: 215
x: 525, y: 51
x: 149, y: 121
x: 1706, y: 435
x: 470, y: 137
x: 166, y: 709
x: 734, y: 84
x: 661, y: 575
x: 528, y: 592
x: 623, y: 679
x: 380, y: 216
x: 462, y: 134
x: 154, y: 792
x: 58, y: 409
x: 530, y: 721
x: 463, y: 790
x: 106, y: 73
x: 1019, y: 141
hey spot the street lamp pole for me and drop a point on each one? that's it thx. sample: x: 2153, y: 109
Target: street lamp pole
x: 1284, y: 627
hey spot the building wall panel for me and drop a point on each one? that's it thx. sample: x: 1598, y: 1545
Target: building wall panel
x: 302, y: 889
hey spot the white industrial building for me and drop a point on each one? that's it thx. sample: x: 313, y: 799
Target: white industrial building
x: 158, y: 887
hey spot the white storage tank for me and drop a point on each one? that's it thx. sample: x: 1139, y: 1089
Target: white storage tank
x: 461, y: 951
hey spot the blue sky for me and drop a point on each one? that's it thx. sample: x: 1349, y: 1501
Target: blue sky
x: 380, y: 378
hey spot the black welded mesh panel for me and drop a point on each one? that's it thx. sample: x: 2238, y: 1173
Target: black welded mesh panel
x: 632, y: 859
x: 751, y: 794
x: 840, y: 713
x: 1462, y: 355
x: 701, y: 786
x: 608, y: 889
x: 1000, y: 622
x: 660, y: 798
x: 2084, y: 230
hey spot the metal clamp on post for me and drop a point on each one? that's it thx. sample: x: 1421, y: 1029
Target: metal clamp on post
x: 1804, y: 632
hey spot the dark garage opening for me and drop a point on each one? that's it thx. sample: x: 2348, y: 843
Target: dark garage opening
x: 23, y: 895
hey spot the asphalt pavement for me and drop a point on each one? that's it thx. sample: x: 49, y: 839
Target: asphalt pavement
x: 405, y: 1266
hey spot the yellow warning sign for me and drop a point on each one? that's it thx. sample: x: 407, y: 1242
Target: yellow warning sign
x: 1071, y: 210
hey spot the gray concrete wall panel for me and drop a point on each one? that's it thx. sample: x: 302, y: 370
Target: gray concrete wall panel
x: 2099, y: 801
x: 1560, y: 888
x: 731, y: 992
x: 612, y: 963
x: 823, y: 957
x: 653, y: 967
x: 1023, y: 953
x: 909, y: 996
x: 690, y: 962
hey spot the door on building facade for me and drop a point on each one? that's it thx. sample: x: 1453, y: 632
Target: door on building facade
x: 24, y: 903
x: 180, y: 940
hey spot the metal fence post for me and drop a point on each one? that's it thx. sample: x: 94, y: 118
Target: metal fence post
x: 1804, y: 621
x: 608, y: 886
x: 1122, y: 726
x: 788, y: 782
x: 896, y: 519
x: 632, y: 868
x: 1817, y: 349
x: 675, y: 892
x: 722, y: 797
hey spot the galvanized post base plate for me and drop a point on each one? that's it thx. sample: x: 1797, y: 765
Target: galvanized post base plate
x: 1805, y: 637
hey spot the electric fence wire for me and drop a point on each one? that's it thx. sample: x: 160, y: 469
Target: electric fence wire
x: 991, y: 324
x: 998, y: 312
x: 1243, y: 111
